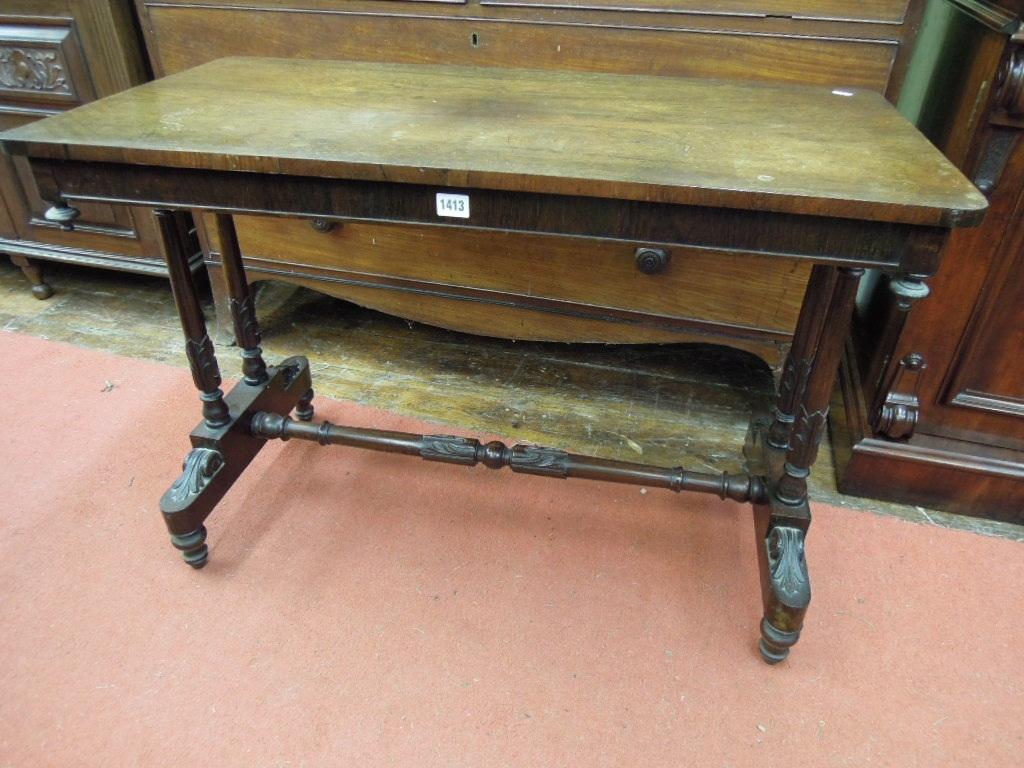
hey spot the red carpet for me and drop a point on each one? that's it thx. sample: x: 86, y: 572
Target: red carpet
x: 362, y: 609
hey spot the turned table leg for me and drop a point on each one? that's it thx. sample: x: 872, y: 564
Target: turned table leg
x: 205, y: 371
x: 801, y: 355
x: 31, y: 269
x: 198, y: 346
x: 242, y: 306
x: 782, y: 523
x: 240, y: 301
x: 223, y: 443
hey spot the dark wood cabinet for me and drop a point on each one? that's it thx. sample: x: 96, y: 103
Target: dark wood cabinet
x: 55, y: 55
x: 934, y: 414
x: 838, y: 43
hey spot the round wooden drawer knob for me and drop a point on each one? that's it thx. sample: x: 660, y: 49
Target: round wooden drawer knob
x: 321, y: 224
x: 651, y: 261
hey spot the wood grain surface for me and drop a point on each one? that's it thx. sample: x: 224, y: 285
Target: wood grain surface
x: 527, y: 266
x: 766, y: 147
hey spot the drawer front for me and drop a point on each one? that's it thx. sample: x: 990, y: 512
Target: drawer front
x: 182, y: 36
x: 888, y: 11
x: 742, y: 290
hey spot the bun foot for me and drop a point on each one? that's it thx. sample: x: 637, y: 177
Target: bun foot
x: 785, y: 585
x: 31, y: 269
x: 774, y: 643
x: 193, y: 547
x: 304, y: 408
x: 42, y: 291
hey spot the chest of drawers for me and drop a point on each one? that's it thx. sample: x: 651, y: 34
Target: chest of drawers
x: 56, y: 55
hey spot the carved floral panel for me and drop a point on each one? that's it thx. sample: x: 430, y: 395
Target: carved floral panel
x: 33, y: 69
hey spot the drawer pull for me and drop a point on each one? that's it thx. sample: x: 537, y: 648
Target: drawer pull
x: 651, y: 261
x: 62, y: 215
x: 321, y: 224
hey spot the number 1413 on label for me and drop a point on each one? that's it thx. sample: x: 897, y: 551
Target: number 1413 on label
x: 456, y: 206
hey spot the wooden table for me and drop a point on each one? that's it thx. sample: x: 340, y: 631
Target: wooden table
x: 836, y: 177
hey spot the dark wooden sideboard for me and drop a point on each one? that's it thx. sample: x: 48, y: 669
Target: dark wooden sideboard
x: 55, y: 55
x: 933, y: 412
x: 469, y: 281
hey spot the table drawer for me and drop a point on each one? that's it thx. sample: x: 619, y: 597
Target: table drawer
x: 745, y: 290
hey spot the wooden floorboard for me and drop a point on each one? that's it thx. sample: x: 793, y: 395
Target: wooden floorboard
x: 660, y: 404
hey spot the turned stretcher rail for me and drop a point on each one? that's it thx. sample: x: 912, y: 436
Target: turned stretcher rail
x: 527, y: 459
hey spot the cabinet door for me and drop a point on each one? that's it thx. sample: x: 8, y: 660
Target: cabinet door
x: 981, y: 396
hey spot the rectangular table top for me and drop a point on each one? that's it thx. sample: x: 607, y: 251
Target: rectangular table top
x: 786, y: 148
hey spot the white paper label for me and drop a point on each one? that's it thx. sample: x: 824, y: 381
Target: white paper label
x: 453, y: 205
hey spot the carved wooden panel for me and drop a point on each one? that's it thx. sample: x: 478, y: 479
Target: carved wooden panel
x: 39, y: 63
x: 33, y: 69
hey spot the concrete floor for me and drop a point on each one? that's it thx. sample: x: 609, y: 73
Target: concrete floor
x: 663, y: 404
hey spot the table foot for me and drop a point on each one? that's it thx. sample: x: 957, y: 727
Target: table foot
x: 304, y: 409
x: 31, y: 269
x: 775, y: 643
x: 221, y: 453
x: 786, y: 589
x: 193, y: 547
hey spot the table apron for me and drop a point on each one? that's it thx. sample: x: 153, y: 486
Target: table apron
x: 821, y: 239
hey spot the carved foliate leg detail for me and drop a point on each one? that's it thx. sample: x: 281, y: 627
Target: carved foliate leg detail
x: 794, y: 377
x: 218, y: 457
x: 788, y: 594
x: 206, y: 375
x: 538, y: 460
x: 782, y: 522
x: 203, y: 362
x: 247, y: 330
x: 467, y: 451
x: 247, y: 336
x: 811, y: 412
x: 197, y: 471
x: 242, y: 304
x: 788, y: 566
x: 803, y: 448
x: 800, y: 360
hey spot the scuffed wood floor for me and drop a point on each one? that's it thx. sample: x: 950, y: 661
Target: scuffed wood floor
x: 666, y: 404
